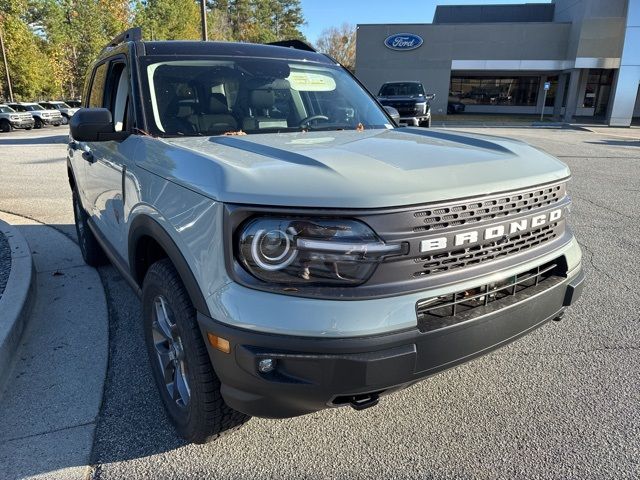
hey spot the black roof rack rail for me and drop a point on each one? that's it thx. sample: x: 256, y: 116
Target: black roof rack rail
x: 297, y: 44
x: 132, y: 35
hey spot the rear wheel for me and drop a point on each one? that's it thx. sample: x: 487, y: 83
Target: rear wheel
x: 188, y: 385
x: 5, y: 126
x: 92, y: 252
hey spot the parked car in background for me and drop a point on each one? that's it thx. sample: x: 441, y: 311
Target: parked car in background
x: 41, y: 116
x: 66, y: 111
x: 410, y: 100
x: 454, y: 105
x: 10, y: 119
x: 74, y: 103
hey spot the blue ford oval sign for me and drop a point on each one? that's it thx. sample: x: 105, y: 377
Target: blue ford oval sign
x: 403, y: 41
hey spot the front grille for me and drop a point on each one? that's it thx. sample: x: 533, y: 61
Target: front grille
x: 453, y: 308
x: 484, y: 252
x: 442, y: 216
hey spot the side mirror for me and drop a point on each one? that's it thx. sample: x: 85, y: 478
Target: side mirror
x: 94, y: 125
x: 393, y: 113
x: 430, y: 96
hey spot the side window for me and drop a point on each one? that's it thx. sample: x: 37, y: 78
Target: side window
x: 117, y: 98
x: 96, y: 94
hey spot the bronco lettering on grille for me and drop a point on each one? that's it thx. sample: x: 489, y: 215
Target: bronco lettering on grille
x: 494, y: 231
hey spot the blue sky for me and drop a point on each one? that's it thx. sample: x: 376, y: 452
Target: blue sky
x: 321, y: 14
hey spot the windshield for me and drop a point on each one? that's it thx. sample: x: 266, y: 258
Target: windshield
x: 32, y: 108
x: 251, y: 95
x: 400, y: 89
x: 5, y: 109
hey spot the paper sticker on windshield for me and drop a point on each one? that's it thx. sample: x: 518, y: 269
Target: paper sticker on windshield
x: 311, y: 82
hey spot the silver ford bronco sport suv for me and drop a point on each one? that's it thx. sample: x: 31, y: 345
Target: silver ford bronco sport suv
x: 10, y: 119
x: 294, y: 250
x: 41, y: 116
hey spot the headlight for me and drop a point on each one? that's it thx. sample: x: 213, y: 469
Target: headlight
x: 301, y: 251
x: 14, y: 117
x: 422, y: 107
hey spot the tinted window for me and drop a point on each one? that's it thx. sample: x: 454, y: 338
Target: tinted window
x: 4, y: 109
x: 520, y: 91
x: 97, y: 86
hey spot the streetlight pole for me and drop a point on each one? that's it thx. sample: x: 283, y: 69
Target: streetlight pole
x: 203, y: 18
x: 6, y: 65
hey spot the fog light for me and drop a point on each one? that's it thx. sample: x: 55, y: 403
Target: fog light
x: 266, y: 365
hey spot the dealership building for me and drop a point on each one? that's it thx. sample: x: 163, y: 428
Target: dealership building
x: 572, y: 58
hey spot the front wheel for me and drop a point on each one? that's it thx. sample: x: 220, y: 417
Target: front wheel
x: 188, y: 385
x: 65, y: 120
x: 426, y: 123
x: 5, y: 126
x: 38, y: 123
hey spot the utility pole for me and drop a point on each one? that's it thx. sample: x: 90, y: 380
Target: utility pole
x: 6, y: 65
x: 203, y: 17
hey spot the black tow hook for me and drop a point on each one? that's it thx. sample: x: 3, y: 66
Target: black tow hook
x: 558, y: 317
x: 360, y: 402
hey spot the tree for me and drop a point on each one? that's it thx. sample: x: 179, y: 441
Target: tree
x: 169, y: 19
x: 28, y: 65
x: 260, y: 21
x: 340, y: 43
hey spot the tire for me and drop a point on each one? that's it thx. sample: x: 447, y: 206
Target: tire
x: 38, y: 123
x: 56, y: 124
x: 28, y: 128
x: 426, y: 123
x: 65, y: 120
x: 92, y: 252
x: 5, y: 126
x: 198, y: 411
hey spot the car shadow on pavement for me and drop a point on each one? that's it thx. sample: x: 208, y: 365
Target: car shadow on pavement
x: 617, y: 143
x: 63, y: 138
x: 132, y: 421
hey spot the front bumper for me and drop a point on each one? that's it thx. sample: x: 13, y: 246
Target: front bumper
x: 316, y: 373
x: 51, y: 121
x: 22, y: 123
x: 414, y: 121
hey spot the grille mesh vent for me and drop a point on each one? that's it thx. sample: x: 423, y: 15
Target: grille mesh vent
x: 440, y: 217
x: 463, y: 257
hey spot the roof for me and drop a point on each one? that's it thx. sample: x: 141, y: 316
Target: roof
x: 180, y: 47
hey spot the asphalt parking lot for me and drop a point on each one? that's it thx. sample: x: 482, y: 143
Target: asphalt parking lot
x: 563, y: 402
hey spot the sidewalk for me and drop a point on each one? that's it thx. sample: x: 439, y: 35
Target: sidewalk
x: 52, y: 395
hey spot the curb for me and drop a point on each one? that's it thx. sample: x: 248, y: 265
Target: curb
x: 17, y: 298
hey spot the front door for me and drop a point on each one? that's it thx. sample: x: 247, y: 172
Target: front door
x: 108, y: 161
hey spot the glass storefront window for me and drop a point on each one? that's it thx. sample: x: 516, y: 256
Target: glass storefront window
x: 515, y: 91
x: 596, y: 93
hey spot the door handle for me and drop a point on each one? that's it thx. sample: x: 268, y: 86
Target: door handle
x: 88, y: 156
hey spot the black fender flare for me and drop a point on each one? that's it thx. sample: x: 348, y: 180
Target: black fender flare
x: 144, y: 225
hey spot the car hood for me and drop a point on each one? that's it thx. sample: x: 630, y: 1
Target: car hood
x: 349, y: 169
